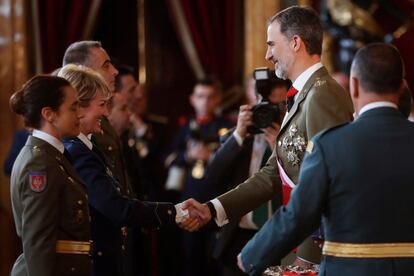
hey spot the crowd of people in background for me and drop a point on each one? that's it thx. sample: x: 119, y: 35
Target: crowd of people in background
x: 95, y: 164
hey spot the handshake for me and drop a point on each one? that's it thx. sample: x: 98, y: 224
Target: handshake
x: 192, y: 215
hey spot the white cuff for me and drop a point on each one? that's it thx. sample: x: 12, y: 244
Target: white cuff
x: 221, y: 216
x: 239, y: 140
x: 181, y: 214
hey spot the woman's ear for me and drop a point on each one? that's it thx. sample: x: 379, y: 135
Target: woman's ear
x: 48, y: 114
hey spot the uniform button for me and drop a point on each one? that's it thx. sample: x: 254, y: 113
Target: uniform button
x: 72, y: 269
x: 109, y: 148
x: 86, y: 196
x: 119, y: 189
x: 169, y: 212
x: 100, y: 253
x: 123, y: 247
x: 80, y: 202
x: 279, y: 143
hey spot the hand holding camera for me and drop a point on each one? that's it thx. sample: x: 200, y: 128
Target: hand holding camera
x: 244, y: 120
x: 270, y: 134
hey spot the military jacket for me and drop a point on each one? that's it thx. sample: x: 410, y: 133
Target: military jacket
x: 50, y: 205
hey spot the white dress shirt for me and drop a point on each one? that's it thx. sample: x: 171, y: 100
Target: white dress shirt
x: 49, y: 139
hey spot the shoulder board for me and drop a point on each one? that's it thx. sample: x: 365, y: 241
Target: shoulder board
x: 37, y: 150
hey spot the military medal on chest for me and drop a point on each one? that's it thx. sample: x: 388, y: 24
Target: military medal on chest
x: 198, y: 170
x: 294, y: 145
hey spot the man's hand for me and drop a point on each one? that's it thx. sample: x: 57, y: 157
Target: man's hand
x: 199, y: 215
x: 240, y: 263
x: 244, y: 120
x: 270, y: 134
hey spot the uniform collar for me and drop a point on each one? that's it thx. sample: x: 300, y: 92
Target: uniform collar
x: 85, y: 140
x: 373, y: 105
x: 49, y: 139
x: 300, y: 81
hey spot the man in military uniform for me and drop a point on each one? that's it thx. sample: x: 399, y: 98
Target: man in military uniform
x: 192, y: 148
x: 94, y: 56
x: 353, y: 177
x: 315, y: 102
x: 143, y: 141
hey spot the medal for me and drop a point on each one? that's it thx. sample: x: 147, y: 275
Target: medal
x: 142, y: 149
x: 131, y: 142
x: 198, y: 170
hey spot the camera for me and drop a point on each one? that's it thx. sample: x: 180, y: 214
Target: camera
x: 265, y: 113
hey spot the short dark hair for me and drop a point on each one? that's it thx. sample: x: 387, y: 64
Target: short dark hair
x: 78, y: 52
x: 39, y: 92
x: 304, y: 22
x: 123, y: 70
x: 210, y: 80
x: 379, y: 68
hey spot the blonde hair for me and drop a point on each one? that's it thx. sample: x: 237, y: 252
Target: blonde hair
x: 86, y: 81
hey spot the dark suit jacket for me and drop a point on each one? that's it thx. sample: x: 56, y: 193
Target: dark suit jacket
x: 143, y: 159
x: 229, y: 166
x: 109, y: 209
x: 208, y: 132
x: 58, y: 212
x: 359, y: 179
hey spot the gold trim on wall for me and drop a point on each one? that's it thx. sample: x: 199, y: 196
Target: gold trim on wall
x: 142, y: 72
x: 256, y: 14
x: 13, y: 73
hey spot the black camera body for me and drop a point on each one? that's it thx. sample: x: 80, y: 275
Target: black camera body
x: 265, y: 113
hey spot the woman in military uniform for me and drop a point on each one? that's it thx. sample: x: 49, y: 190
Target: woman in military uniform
x: 111, y: 212
x: 48, y: 198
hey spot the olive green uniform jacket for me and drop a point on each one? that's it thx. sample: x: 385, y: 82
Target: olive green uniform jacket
x: 321, y: 104
x: 54, y: 209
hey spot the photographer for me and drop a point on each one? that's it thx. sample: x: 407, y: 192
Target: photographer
x: 242, y: 153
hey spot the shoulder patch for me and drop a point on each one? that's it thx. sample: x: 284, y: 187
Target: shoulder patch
x: 37, y: 181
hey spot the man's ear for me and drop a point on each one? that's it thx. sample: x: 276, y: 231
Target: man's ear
x: 191, y: 99
x: 354, y: 87
x: 296, y: 43
x: 404, y: 87
x: 48, y: 114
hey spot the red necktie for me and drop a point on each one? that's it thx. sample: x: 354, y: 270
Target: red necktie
x: 291, y: 97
